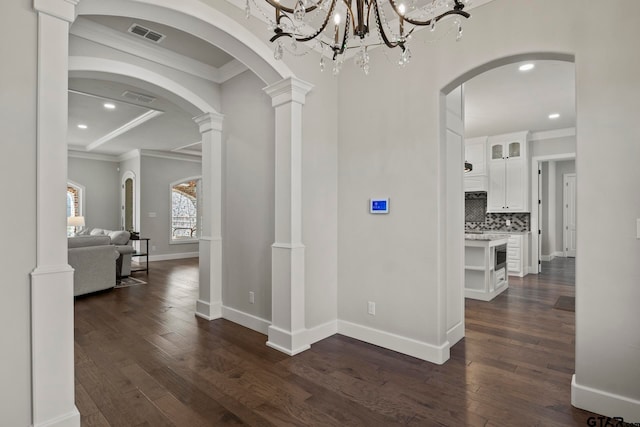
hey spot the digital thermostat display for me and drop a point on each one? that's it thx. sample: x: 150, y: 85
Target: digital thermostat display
x: 379, y: 206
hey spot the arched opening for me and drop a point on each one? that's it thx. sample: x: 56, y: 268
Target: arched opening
x: 53, y: 387
x: 453, y: 187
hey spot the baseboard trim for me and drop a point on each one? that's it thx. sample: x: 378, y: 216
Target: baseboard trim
x: 320, y: 332
x: 547, y: 257
x: 290, y: 343
x: 455, y: 334
x: 71, y: 419
x: 604, y: 403
x: 208, y: 311
x: 247, y: 320
x: 421, y: 350
x: 558, y: 254
x: 167, y: 257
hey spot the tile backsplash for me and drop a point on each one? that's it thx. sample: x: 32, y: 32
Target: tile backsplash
x: 477, y: 218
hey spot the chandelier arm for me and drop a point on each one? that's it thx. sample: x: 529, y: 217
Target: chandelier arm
x: 385, y: 39
x: 280, y: 33
x: 437, y: 18
x: 339, y: 51
x: 277, y: 5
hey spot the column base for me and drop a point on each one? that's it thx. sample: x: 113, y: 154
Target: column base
x: 208, y: 311
x: 290, y: 343
x: 52, y: 347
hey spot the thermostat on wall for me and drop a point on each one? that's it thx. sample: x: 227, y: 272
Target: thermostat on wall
x: 379, y: 206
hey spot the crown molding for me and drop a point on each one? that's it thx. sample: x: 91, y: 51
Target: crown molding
x: 74, y: 153
x: 109, y: 37
x: 552, y: 134
x: 133, y: 154
x: 170, y: 156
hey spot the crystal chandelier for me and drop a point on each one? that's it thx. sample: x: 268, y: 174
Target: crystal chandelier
x: 340, y: 25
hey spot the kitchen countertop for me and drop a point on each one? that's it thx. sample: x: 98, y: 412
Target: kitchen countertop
x: 486, y: 236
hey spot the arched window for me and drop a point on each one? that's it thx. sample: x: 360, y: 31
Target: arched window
x: 184, y: 211
x: 75, y: 202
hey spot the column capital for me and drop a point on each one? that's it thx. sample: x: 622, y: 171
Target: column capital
x: 209, y: 121
x: 288, y: 90
x: 61, y: 9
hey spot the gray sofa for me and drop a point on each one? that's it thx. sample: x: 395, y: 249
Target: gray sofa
x: 120, y: 239
x: 94, y: 260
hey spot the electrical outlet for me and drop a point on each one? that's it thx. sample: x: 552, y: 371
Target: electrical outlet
x: 508, y: 222
x: 252, y: 297
x: 371, y: 308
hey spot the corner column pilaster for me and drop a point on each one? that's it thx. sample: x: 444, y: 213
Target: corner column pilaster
x: 287, y: 330
x: 209, y: 304
x: 52, y: 344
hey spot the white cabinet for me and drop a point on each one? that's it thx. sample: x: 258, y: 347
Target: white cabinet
x: 509, y: 167
x: 475, y: 152
x: 518, y: 254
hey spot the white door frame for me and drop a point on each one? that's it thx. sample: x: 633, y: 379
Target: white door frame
x: 123, y: 200
x: 535, y: 220
x: 565, y: 222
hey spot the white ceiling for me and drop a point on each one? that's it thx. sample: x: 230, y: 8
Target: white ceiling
x: 504, y: 99
x: 176, y: 41
x: 498, y: 101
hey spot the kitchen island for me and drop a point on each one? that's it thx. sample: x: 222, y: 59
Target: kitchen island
x: 482, y: 281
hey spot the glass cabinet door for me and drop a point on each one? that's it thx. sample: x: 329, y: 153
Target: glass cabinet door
x: 514, y: 149
x: 496, y: 152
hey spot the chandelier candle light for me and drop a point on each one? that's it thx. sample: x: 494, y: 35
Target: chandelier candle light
x: 309, y: 22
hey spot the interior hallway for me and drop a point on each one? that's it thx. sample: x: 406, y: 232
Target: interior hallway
x: 143, y: 359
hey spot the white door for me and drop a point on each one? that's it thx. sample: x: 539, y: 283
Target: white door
x: 538, y: 231
x: 514, y: 181
x: 495, y: 195
x: 569, y: 217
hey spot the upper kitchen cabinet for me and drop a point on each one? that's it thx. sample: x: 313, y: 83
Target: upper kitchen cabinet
x: 475, y: 152
x: 509, y: 166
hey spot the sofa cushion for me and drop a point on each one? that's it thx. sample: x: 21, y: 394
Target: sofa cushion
x: 96, y: 232
x: 84, y: 241
x: 119, y: 237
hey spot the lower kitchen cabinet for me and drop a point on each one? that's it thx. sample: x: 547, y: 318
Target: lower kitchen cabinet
x: 518, y: 254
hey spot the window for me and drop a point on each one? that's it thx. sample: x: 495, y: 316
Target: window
x: 75, y: 194
x: 184, y: 211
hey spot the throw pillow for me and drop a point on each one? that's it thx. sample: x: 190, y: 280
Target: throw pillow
x: 119, y: 237
x: 96, y: 232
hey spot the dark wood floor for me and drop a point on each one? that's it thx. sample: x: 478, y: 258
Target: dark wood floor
x: 143, y: 359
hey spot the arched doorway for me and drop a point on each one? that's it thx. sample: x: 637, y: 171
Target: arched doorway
x: 452, y: 145
x: 52, y: 279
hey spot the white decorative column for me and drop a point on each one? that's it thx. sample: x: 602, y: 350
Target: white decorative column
x: 52, y: 279
x: 287, y: 330
x: 209, y: 304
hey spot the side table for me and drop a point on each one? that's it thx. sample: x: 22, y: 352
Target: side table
x: 141, y: 253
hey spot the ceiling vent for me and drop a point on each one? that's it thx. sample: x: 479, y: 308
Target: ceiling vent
x: 146, y: 33
x: 138, y: 97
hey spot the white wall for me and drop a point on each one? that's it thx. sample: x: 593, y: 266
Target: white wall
x: 155, y: 178
x: 568, y: 166
x: 248, y: 194
x: 102, y: 191
x: 548, y: 147
x: 18, y: 86
x: 319, y: 175
x: 390, y: 145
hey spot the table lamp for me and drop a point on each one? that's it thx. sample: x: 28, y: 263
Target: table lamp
x: 75, y: 222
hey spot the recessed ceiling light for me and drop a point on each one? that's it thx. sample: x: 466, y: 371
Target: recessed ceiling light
x: 554, y: 116
x: 81, y: 126
x: 109, y: 106
x: 527, y: 67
